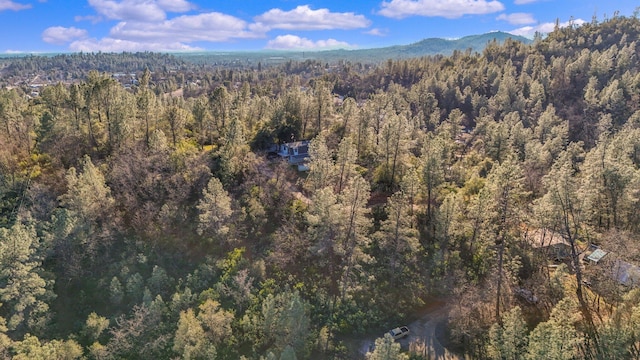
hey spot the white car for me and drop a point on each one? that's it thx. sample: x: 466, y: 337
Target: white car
x: 399, y: 332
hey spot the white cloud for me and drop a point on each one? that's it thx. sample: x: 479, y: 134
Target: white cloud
x: 212, y: 26
x: 117, y: 45
x: 139, y: 10
x: 293, y: 42
x: 305, y: 18
x: 11, y: 51
x: 161, y: 34
x: 93, y: 18
x: 62, y: 35
x: 451, y: 9
x: 522, y: 2
x: 376, y: 32
x: 144, y: 26
x: 129, y: 10
x: 10, y: 5
x: 517, y: 18
x: 545, y: 28
x: 176, y: 6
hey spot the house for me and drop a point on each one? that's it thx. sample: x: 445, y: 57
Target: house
x: 296, y: 153
x: 550, y: 242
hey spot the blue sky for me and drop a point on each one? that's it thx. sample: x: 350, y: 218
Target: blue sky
x: 225, y: 25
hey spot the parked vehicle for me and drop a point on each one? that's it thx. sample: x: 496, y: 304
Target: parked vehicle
x: 399, y: 332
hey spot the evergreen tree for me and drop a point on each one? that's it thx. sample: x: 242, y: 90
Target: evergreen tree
x: 398, y: 238
x: 190, y: 341
x: 386, y: 349
x: 215, y: 209
x: 322, y: 170
x: 31, y: 348
x: 508, y: 340
x: 283, y: 323
x: 24, y: 293
x: 557, y: 338
x: 504, y: 183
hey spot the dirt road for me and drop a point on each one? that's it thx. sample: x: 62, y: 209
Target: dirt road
x: 423, y: 338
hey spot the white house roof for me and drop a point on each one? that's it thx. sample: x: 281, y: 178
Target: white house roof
x: 597, y: 255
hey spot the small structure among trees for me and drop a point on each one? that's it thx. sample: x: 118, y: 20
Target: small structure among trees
x: 295, y: 152
x: 596, y: 256
x: 549, y: 242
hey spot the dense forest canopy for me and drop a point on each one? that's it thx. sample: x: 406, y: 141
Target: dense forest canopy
x: 143, y: 215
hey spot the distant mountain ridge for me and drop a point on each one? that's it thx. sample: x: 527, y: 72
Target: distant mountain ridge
x: 431, y: 46
x: 473, y: 42
x: 426, y: 47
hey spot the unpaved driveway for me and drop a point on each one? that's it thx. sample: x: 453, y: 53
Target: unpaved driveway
x: 423, y: 338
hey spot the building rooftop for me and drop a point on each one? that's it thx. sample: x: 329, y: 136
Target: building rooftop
x: 539, y: 238
x: 597, y: 255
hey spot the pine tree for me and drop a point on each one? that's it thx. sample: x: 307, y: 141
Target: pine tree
x: 283, y: 322
x: 322, y: 169
x: 32, y: 348
x: 353, y: 229
x: 116, y: 293
x: 397, y: 237
x: 215, y: 209
x: 190, y: 341
x: 23, y: 292
x: 88, y: 195
x: 216, y: 322
x: 508, y: 340
x: 386, y: 349
x: 94, y: 327
x: 176, y: 117
x: 345, y: 163
x: 505, y: 184
x: 557, y: 338
x: 432, y: 161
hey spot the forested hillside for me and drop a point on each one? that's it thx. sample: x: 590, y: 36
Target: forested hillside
x: 142, y: 216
